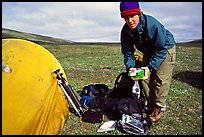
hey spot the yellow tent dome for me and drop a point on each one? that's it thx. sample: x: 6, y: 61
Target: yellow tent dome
x: 32, y: 100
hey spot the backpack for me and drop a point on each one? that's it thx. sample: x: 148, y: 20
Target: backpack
x: 122, y: 86
x: 87, y: 94
x: 120, y: 104
x: 120, y: 100
x: 94, y: 90
x: 124, y: 107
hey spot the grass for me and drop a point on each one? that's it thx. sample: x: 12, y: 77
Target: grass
x: 93, y: 64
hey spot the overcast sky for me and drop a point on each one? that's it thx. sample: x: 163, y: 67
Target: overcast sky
x: 98, y: 21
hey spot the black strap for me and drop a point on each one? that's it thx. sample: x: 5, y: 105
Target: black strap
x: 117, y: 79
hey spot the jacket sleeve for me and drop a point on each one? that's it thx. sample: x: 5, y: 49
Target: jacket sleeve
x: 127, y: 50
x: 157, y: 35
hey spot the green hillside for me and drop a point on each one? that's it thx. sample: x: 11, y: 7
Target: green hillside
x: 39, y: 39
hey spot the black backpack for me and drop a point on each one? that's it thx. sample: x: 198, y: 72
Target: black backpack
x: 122, y: 105
x: 120, y: 100
x: 122, y: 86
x: 94, y: 90
x: 125, y: 107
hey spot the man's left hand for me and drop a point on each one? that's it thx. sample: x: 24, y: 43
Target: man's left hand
x: 147, y: 72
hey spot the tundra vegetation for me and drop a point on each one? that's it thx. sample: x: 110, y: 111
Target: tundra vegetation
x: 86, y: 64
x: 94, y: 63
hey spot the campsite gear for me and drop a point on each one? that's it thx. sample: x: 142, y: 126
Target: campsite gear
x: 32, y: 101
x: 67, y: 89
x: 121, y: 99
x: 134, y: 124
x: 108, y: 126
x: 122, y: 86
x: 85, y: 101
x: 94, y: 90
x: 125, y: 106
x: 6, y: 68
x: 91, y: 91
x: 114, y: 107
x: 136, y: 89
x: 137, y: 74
x: 132, y: 100
x: 92, y: 116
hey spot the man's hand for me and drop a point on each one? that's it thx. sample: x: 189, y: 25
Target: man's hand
x: 147, y: 72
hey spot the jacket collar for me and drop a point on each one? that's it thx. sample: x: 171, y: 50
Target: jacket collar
x: 140, y: 26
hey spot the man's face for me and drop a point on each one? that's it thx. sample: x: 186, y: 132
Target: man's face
x: 132, y: 21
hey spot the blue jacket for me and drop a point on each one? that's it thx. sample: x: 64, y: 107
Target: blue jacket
x: 157, y: 40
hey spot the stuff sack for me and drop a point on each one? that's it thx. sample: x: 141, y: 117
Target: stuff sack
x: 91, y: 91
x: 134, y: 124
x: 92, y: 116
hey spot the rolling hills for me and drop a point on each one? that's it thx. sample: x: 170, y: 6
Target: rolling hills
x: 40, y: 39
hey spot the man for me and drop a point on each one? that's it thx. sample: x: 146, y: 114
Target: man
x: 146, y: 34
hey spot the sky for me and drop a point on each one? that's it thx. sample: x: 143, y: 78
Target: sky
x: 98, y: 21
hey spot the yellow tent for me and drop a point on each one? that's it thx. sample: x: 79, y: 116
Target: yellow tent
x: 32, y: 100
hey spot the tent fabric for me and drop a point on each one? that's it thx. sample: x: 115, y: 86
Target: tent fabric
x: 32, y: 101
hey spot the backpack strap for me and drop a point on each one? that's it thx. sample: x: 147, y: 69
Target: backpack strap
x: 117, y: 80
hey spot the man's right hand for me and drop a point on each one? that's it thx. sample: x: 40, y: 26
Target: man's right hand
x: 146, y: 76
